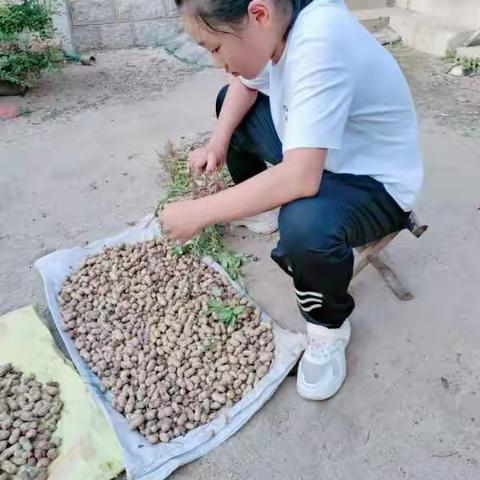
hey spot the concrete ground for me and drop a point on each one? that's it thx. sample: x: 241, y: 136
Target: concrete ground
x: 410, y: 406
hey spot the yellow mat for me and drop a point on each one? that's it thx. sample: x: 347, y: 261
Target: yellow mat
x: 90, y: 450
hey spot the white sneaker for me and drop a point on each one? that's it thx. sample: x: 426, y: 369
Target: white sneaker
x: 323, y: 367
x: 264, y: 223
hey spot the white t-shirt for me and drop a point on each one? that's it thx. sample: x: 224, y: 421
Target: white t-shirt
x: 336, y: 87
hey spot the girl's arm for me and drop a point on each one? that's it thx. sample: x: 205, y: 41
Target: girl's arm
x: 297, y: 176
x: 238, y: 101
x: 212, y: 156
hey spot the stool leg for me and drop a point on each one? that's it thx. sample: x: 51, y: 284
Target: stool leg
x: 391, y: 278
x: 371, y: 250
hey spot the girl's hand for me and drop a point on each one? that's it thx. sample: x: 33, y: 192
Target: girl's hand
x: 180, y: 221
x: 208, y: 159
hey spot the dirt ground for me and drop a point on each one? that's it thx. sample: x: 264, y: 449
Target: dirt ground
x: 84, y: 165
x: 118, y: 76
x: 128, y: 76
x: 449, y: 101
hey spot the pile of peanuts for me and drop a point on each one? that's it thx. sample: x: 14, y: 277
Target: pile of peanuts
x: 29, y: 413
x: 142, y: 319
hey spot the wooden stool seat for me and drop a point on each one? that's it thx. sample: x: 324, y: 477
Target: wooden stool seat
x: 372, y: 253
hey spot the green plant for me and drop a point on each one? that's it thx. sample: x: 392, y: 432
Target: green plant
x: 211, y: 241
x: 451, y: 55
x: 227, y: 314
x: 25, y: 67
x: 26, y: 46
x: 31, y: 15
x: 470, y: 63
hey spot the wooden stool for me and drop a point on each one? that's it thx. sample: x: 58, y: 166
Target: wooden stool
x: 372, y: 253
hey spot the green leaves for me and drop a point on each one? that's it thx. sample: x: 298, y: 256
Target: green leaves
x: 25, y: 68
x: 181, y: 250
x: 227, y: 317
x: 30, y: 15
x: 470, y: 63
x: 210, y: 242
x: 231, y: 262
x: 227, y: 314
x: 26, y: 45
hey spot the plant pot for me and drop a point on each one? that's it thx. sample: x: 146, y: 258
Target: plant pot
x: 8, y: 88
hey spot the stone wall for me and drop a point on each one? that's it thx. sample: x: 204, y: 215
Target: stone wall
x: 108, y: 24
x: 111, y: 24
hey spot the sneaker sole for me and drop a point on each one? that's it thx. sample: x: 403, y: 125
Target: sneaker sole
x: 310, y: 394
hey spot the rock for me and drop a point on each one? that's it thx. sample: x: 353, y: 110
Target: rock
x: 458, y: 71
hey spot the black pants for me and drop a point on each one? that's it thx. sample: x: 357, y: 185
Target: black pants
x: 317, y: 234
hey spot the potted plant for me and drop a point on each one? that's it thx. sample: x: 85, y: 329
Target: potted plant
x: 27, y: 46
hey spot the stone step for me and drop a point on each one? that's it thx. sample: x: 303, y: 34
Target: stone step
x: 375, y: 18
x: 468, y: 52
x: 387, y: 36
x: 366, y: 4
x: 426, y: 33
x: 458, y: 12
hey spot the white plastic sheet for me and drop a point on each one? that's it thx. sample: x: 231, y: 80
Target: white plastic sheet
x: 156, y: 462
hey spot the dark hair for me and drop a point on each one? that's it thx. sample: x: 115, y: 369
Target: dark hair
x: 232, y: 12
